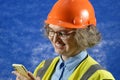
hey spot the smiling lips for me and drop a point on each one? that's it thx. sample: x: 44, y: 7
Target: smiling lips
x: 59, y: 45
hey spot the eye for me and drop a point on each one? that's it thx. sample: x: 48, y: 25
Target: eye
x: 62, y: 33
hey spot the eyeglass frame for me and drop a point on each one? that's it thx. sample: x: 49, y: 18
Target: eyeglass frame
x: 63, y: 34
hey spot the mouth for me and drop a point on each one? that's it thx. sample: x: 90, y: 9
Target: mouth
x: 60, y: 45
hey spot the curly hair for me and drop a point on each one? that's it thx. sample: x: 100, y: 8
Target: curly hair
x: 87, y: 37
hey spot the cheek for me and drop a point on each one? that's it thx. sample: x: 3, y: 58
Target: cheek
x: 51, y: 39
x: 72, y: 43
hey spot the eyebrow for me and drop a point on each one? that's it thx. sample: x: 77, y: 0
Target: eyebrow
x: 61, y: 30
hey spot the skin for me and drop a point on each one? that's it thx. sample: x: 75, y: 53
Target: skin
x: 20, y: 77
x: 66, y: 48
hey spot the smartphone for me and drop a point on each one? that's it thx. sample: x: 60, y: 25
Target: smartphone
x: 21, y: 69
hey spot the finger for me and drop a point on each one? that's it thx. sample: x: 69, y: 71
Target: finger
x: 31, y: 75
x: 17, y: 78
x: 22, y: 78
x: 38, y: 78
x: 15, y: 73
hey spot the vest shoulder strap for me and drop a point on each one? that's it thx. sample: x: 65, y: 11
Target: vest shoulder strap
x: 91, y: 70
x: 86, y: 75
x: 42, y: 71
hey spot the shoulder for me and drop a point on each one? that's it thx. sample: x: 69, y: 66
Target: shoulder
x: 98, y: 72
x: 44, y: 63
x: 38, y: 67
x: 102, y: 75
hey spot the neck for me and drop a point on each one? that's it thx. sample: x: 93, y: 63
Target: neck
x: 66, y: 57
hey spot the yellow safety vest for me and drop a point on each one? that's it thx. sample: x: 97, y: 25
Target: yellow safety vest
x: 78, y: 73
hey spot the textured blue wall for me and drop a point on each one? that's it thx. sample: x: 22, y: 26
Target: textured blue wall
x: 22, y: 38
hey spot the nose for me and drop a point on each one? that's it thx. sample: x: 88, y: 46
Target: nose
x: 56, y: 38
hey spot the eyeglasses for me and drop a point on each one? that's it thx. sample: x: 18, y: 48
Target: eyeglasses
x: 63, y: 34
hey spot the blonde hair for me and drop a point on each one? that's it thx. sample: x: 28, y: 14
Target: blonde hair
x: 87, y: 37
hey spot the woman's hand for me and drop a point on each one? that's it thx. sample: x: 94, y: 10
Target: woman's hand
x: 20, y: 77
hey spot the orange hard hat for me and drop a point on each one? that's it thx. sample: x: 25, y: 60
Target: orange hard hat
x: 72, y: 14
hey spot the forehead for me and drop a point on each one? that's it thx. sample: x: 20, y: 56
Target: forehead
x: 57, y: 28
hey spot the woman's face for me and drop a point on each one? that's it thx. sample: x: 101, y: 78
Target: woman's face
x: 63, y: 40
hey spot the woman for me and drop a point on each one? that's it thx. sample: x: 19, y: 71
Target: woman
x: 71, y: 28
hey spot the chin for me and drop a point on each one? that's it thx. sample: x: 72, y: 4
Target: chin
x: 59, y: 51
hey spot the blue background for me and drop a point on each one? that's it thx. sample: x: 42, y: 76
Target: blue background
x: 22, y: 37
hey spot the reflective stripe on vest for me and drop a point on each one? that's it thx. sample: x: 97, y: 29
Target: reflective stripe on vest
x: 42, y: 71
x: 91, y: 70
x: 86, y: 75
